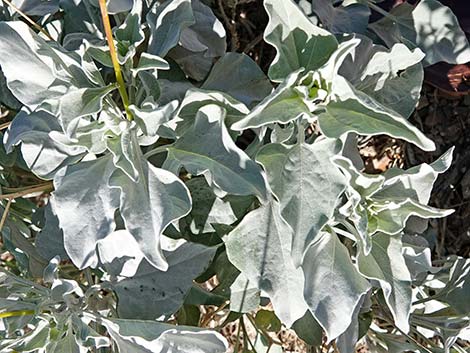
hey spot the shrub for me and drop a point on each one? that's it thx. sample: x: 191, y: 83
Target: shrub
x: 141, y: 141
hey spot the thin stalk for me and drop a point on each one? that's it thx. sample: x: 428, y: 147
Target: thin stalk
x: 43, y: 187
x: 212, y: 315
x: 381, y: 11
x: 245, y: 335
x: 16, y: 313
x: 5, y: 125
x: 5, y: 214
x: 28, y: 19
x: 237, y: 343
x: 114, y: 59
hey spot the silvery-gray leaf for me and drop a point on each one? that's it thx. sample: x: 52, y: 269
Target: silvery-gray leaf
x: 200, y: 42
x: 173, y: 90
x: 33, y: 340
x: 43, y: 155
x: 151, y: 62
x: 117, y: 6
x: 307, y: 184
x: 353, y: 111
x: 207, y: 34
x: 224, y: 165
x: 130, y: 32
x: 166, y: 22
x: 99, y: 52
x: 151, y: 293
x: 283, y: 105
x: 194, y: 64
x: 260, y: 247
x: 6, y: 97
x: 457, y: 296
x: 345, y: 49
x: 364, y: 184
x: 240, y: 77
x: 149, y: 85
x: 149, y: 205
x: 349, y: 18
x: 85, y: 206
x: 79, y: 19
x: 81, y: 102
x: 86, y: 336
x: 416, y: 182
x: 390, y: 217
x: 116, y: 259
x: 195, y: 99
x: 18, y: 235
x: 124, y: 151
x: 418, y: 259
x: 23, y: 45
x: 150, y: 117
x: 284, y: 134
x: 386, y: 264
x: 207, y: 208
x: 89, y: 135
x: 298, y: 42
x: 50, y: 240
x: 392, y: 77
x: 244, y: 295
x: 430, y: 26
x: 74, y: 68
x: 67, y: 343
x: 139, y: 336
x: 327, y: 261
x: 347, y: 341
x: 308, y: 329
x: 37, y: 8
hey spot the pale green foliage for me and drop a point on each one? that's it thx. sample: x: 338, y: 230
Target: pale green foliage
x: 220, y: 171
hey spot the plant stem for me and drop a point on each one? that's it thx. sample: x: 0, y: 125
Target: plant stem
x: 28, y: 19
x: 5, y: 125
x: 5, y: 214
x: 42, y: 187
x: 114, y: 59
x: 16, y: 313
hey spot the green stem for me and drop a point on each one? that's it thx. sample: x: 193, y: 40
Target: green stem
x: 114, y: 59
x: 16, y: 313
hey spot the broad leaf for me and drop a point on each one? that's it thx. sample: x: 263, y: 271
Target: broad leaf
x: 224, y: 165
x: 155, y: 337
x: 353, y: 111
x: 151, y: 293
x: 244, y: 295
x: 390, y: 217
x: 166, y: 22
x: 240, y: 77
x: 298, y: 42
x: 42, y: 154
x: 82, y: 192
x: 200, y: 43
x: 307, y: 184
x: 150, y: 204
x: 344, y: 18
x: 392, y: 77
x: 82, y: 102
x: 430, y: 26
x: 328, y: 261
x: 260, y: 248
x: 285, y: 104
x: 386, y: 265
x: 23, y: 45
